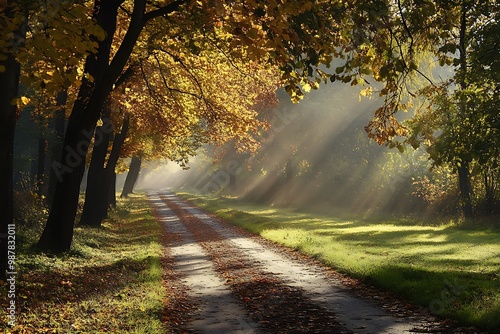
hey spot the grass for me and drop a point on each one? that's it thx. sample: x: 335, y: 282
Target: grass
x: 110, y: 282
x: 453, y: 270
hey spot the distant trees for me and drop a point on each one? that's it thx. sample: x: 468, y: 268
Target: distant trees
x: 316, y: 155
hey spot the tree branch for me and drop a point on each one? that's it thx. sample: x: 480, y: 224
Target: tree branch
x: 162, y: 11
x: 124, y: 76
x: 165, y: 83
x: 405, y: 25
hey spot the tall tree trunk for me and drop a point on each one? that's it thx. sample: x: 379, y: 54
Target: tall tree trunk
x: 9, y: 87
x: 100, y: 178
x: 465, y: 190
x: 95, y: 176
x: 489, y: 189
x: 132, y: 175
x: 109, y: 171
x: 56, y: 147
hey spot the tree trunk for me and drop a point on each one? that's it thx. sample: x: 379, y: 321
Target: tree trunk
x: 112, y: 191
x: 489, y: 190
x: 109, y: 171
x: 9, y: 87
x: 95, y: 176
x: 132, y: 175
x: 465, y: 190
x: 58, y: 233
x: 463, y: 169
x: 100, y: 179
x: 40, y: 171
x: 9, y: 80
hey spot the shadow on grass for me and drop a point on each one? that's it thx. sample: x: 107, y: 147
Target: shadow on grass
x: 63, y: 286
x: 101, y: 262
x: 469, y: 297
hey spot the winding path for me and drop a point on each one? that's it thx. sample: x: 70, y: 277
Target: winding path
x: 238, y: 284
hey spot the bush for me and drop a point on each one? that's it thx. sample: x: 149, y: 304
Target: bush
x: 30, y: 210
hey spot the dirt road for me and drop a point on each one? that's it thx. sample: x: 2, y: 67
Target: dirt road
x: 221, y: 279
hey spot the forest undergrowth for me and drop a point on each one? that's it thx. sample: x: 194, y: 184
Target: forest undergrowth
x: 110, y: 282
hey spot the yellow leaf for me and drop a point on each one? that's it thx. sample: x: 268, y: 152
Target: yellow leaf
x: 366, y: 92
x: 25, y: 100
x: 306, y: 87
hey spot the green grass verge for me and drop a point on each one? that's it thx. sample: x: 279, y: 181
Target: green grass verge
x: 455, y: 271
x: 110, y: 282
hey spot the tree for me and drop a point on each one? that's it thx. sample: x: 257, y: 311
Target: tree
x: 132, y: 176
x: 11, y: 20
x: 459, y: 126
x: 24, y: 40
x: 183, y: 111
x: 392, y: 43
x: 58, y: 233
x: 91, y: 215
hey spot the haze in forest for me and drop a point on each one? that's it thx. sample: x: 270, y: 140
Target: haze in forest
x: 316, y: 155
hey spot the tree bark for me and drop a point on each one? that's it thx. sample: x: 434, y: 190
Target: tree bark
x: 112, y: 191
x: 109, y: 172
x: 100, y: 179
x: 9, y: 80
x: 465, y: 190
x: 489, y: 188
x: 40, y: 170
x: 132, y: 175
x: 95, y: 176
x: 9, y: 87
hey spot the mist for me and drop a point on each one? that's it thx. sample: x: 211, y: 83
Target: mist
x: 316, y: 156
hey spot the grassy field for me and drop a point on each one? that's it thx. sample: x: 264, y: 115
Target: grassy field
x: 110, y: 282
x: 453, y: 270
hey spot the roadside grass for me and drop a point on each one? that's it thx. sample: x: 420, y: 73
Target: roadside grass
x: 451, y: 269
x: 110, y: 282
